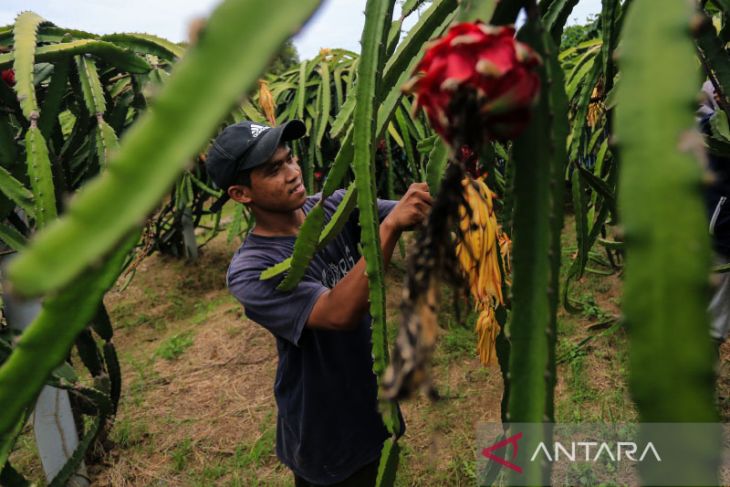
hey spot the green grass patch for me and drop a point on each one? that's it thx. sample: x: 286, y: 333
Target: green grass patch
x: 459, y: 341
x: 181, y: 454
x: 174, y: 346
x: 253, y: 455
x: 126, y: 432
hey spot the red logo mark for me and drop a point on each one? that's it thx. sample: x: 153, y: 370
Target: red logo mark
x: 487, y: 452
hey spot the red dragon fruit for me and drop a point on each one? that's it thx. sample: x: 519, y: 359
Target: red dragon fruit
x: 477, y: 83
x: 8, y: 76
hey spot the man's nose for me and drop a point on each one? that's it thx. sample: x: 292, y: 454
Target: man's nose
x: 293, y: 170
x: 295, y: 167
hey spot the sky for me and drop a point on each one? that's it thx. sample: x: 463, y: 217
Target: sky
x: 338, y: 23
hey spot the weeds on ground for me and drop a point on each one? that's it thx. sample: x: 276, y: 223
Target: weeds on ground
x: 173, y: 347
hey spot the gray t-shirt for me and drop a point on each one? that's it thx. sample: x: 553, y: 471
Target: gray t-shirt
x: 328, y: 425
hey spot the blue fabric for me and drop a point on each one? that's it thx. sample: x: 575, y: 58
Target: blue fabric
x: 328, y: 425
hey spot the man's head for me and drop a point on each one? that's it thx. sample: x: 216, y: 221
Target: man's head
x: 244, y: 154
x: 275, y: 186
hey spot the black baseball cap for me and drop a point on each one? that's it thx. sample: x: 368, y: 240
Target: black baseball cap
x: 245, y: 145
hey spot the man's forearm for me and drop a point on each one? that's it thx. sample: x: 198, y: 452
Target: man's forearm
x: 345, y: 303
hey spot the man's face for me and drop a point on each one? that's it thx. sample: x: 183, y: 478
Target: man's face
x: 276, y: 185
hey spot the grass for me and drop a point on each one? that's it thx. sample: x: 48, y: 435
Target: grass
x: 127, y: 432
x: 252, y: 456
x: 173, y: 347
x: 181, y: 454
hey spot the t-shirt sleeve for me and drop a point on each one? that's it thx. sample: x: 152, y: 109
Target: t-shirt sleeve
x: 283, y: 313
x: 385, y: 207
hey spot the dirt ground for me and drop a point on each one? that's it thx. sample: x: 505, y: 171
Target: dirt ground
x: 197, y: 405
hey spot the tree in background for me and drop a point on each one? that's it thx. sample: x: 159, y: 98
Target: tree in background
x: 287, y: 58
x: 575, y: 34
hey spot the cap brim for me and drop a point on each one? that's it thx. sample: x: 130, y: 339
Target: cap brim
x: 270, y: 140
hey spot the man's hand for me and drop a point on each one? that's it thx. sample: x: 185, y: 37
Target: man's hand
x: 412, y: 208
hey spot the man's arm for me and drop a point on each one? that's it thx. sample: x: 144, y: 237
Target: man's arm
x: 341, y: 307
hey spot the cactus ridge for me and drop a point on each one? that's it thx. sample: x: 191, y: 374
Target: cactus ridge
x: 301, y: 90
x: 305, y: 245
x: 554, y: 15
x: 12, y: 237
x: 389, y: 464
x: 378, y: 17
x: 121, y: 58
x: 17, y: 192
x: 54, y: 99
x: 41, y: 177
x: 26, y: 27
x: 147, y: 44
x: 437, y: 160
x: 538, y: 155
x: 106, y: 142
x: 115, y: 374
x: 93, y: 93
x: 344, y: 116
x: 558, y: 122
x: 326, y: 102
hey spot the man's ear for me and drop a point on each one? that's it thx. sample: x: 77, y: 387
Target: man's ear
x: 240, y: 193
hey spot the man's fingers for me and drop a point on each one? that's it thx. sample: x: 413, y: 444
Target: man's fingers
x: 420, y: 192
x: 419, y: 187
x: 422, y: 207
x: 424, y: 196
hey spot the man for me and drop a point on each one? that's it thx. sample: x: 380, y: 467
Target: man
x: 328, y: 429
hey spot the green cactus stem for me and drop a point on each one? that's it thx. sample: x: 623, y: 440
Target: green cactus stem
x: 538, y: 155
x: 667, y: 245
x: 378, y: 15
x: 121, y: 58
